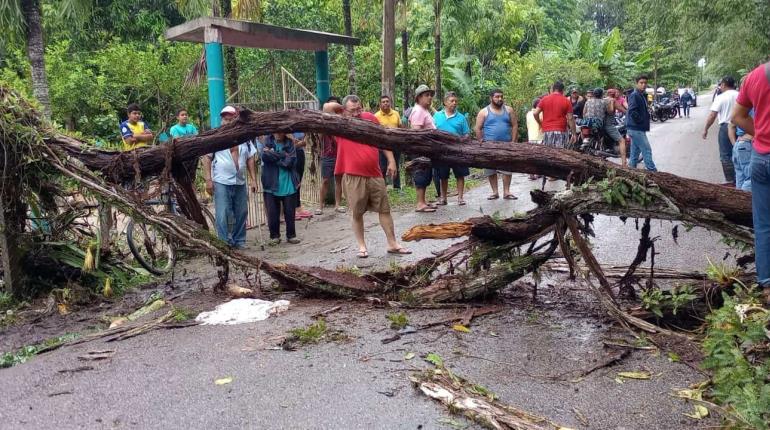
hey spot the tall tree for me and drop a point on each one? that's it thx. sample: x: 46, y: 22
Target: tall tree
x: 349, y: 48
x: 388, y: 47
x: 405, y: 51
x: 36, y: 52
x: 437, y: 45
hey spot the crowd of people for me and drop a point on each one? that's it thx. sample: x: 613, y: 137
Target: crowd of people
x: 359, y: 171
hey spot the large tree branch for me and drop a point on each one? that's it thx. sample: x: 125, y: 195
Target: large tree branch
x: 695, y: 199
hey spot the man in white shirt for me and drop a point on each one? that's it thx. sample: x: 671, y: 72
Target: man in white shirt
x: 721, y: 110
x: 226, y: 181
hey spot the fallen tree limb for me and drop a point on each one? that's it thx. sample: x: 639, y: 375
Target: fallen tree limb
x: 476, y: 402
x: 696, y: 199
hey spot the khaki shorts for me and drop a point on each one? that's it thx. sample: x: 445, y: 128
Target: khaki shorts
x: 366, y: 194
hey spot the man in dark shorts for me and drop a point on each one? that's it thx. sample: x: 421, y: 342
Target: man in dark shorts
x: 328, y: 162
x: 451, y: 121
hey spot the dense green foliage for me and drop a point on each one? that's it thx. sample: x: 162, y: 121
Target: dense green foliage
x: 103, y: 54
x: 737, y: 352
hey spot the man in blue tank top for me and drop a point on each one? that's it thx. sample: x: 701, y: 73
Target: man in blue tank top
x: 499, y: 123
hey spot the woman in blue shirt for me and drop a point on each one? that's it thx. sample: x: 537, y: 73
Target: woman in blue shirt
x: 280, y: 184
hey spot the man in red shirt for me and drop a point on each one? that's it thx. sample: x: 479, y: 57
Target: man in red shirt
x: 557, y: 121
x: 363, y: 181
x: 755, y: 93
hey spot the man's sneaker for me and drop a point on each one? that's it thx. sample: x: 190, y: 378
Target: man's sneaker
x: 293, y: 240
x: 274, y: 242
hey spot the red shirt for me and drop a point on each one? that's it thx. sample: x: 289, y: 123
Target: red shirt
x: 755, y: 93
x: 328, y: 147
x: 357, y: 159
x: 555, y: 109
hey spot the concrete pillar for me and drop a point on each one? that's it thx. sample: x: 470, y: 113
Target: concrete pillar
x: 322, y: 88
x: 215, y: 71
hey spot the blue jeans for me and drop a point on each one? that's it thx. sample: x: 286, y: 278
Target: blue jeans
x: 760, y: 206
x: 639, y: 143
x: 742, y: 163
x: 726, y: 153
x: 231, y: 205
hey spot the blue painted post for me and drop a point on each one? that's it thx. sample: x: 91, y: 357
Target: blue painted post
x: 322, y: 88
x: 215, y: 71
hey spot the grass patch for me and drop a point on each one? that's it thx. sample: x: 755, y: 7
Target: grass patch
x: 310, y: 334
x: 398, y: 320
x: 7, y: 302
x: 182, y: 314
x: 25, y: 353
x: 406, y: 197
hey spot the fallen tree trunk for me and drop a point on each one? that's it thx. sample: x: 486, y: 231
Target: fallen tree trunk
x: 695, y: 199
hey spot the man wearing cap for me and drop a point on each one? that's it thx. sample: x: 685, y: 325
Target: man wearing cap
x: 498, y: 123
x: 225, y: 176
x: 421, y: 119
x: 364, y: 186
x: 721, y: 109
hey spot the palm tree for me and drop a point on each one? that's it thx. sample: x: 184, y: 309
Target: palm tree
x: 437, y: 45
x: 349, y: 48
x: 24, y: 18
x: 388, y: 47
x: 238, y: 9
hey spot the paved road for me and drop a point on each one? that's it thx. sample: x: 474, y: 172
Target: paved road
x: 165, y: 380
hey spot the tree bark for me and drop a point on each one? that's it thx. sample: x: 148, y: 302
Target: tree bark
x: 349, y: 48
x: 388, y: 83
x: 437, y: 46
x: 12, y: 219
x: 36, y: 53
x: 231, y: 60
x: 405, y: 53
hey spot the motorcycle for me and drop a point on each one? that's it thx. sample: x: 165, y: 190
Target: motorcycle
x: 594, y: 141
x: 661, y: 110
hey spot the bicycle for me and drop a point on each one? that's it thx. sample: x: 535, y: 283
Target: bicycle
x: 151, y: 248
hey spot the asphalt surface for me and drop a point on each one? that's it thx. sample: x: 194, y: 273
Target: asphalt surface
x: 525, y: 353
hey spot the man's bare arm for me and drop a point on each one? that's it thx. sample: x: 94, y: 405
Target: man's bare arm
x: 742, y: 119
x: 709, y: 121
x: 514, y: 124
x: 537, y: 113
x: 479, y: 127
x: 333, y: 107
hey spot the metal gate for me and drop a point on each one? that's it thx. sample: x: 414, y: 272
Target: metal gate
x: 260, y: 92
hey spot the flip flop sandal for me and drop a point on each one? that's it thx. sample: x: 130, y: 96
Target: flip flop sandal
x: 510, y: 197
x: 341, y: 209
x: 493, y: 197
x: 426, y: 209
x: 400, y: 251
x: 362, y: 254
x: 442, y: 202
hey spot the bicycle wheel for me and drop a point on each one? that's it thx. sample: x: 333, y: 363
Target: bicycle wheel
x: 150, y: 247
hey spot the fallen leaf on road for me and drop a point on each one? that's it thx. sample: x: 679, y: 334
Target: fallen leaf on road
x: 461, y: 328
x: 224, y: 381
x: 491, y: 333
x: 409, y: 356
x: 699, y: 412
x: 634, y: 375
x: 690, y: 394
x: 63, y: 309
